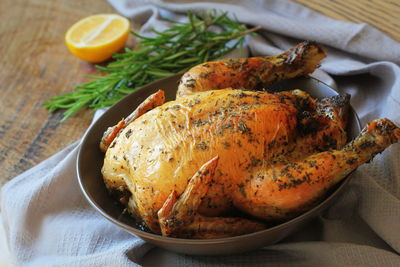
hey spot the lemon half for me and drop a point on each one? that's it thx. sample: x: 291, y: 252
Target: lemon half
x: 96, y: 38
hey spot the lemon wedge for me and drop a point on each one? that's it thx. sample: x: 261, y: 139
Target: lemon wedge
x: 96, y: 38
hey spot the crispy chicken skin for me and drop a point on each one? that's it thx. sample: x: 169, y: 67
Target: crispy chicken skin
x: 252, y: 73
x: 184, y: 167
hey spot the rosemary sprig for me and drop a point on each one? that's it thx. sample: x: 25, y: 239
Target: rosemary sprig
x: 174, y: 50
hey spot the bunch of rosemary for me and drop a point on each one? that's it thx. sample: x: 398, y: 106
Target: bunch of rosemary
x: 175, y: 50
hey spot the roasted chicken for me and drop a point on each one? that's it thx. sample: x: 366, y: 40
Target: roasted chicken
x: 187, y: 167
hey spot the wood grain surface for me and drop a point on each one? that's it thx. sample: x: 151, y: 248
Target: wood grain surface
x: 35, y: 65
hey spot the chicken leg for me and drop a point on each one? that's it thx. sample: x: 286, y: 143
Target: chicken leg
x: 179, y: 217
x: 286, y: 190
x: 252, y: 73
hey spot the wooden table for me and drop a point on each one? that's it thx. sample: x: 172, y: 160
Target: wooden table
x: 36, y: 65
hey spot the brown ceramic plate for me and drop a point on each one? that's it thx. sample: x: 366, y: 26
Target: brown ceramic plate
x: 90, y: 161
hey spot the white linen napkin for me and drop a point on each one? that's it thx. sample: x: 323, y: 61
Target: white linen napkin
x: 48, y: 222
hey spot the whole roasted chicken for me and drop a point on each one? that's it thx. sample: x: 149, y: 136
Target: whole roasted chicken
x: 186, y: 168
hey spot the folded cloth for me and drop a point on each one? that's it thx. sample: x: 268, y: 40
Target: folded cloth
x: 49, y: 223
